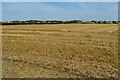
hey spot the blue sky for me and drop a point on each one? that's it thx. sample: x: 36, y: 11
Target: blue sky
x: 60, y: 0
x: 59, y: 11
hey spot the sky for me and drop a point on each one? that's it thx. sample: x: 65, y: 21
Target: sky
x: 60, y: 0
x: 85, y: 11
x: 0, y: 12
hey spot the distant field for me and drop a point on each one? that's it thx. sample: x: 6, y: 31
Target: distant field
x: 60, y: 51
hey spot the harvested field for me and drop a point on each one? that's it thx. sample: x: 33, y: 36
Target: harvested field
x: 60, y: 51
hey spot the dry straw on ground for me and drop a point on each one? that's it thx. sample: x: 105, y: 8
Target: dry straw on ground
x: 60, y: 51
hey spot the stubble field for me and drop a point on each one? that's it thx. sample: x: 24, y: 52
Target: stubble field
x: 60, y: 51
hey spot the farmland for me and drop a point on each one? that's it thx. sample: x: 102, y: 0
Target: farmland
x: 60, y: 51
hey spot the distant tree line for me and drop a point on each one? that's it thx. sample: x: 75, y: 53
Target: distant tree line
x: 57, y: 22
